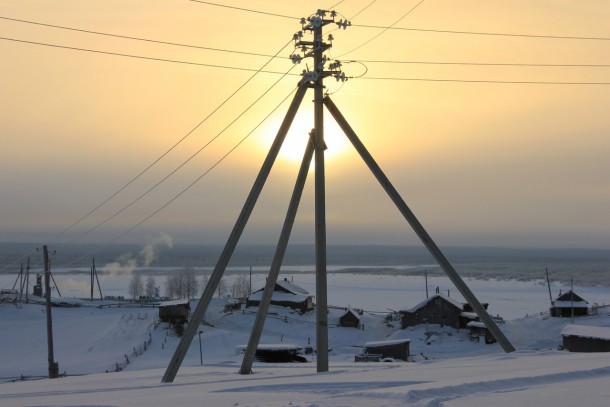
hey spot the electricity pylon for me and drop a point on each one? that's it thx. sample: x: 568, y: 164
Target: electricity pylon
x: 322, y: 68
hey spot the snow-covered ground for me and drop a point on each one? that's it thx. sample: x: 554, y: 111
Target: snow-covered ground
x: 445, y: 368
x: 445, y: 372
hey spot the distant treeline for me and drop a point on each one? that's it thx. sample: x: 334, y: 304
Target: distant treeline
x: 586, y: 266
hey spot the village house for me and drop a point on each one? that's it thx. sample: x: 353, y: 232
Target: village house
x: 569, y: 304
x: 584, y: 338
x: 174, y: 312
x: 351, y: 318
x: 439, y: 309
x: 285, y: 294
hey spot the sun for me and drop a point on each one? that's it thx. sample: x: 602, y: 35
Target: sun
x: 294, y: 145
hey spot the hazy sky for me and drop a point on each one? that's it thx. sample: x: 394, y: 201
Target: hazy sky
x: 479, y: 163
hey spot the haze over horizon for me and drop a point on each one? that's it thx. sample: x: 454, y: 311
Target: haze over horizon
x: 491, y: 139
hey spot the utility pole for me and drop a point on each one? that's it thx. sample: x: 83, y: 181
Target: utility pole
x: 319, y: 47
x: 314, y: 79
x: 53, y: 366
x: 548, y: 283
x: 27, y: 280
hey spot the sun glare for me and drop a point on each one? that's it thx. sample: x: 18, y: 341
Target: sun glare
x: 294, y: 145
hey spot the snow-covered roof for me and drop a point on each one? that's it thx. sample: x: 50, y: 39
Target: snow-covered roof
x: 351, y: 311
x: 570, y: 304
x: 569, y: 296
x: 286, y: 286
x: 386, y: 343
x: 291, y: 287
x: 587, y: 331
x: 475, y: 324
x: 427, y: 300
x: 469, y: 315
x: 279, y: 296
x: 174, y: 302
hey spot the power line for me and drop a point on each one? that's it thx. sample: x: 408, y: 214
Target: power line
x: 482, y: 81
x: 183, y: 191
x: 157, y: 184
x: 209, y: 3
x: 481, y: 63
x: 362, y: 10
x: 172, y: 147
x: 385, y: 29
x: 235, y: 68
x: 540, y: 36
x: 431, y: 30
x: 134, y: 38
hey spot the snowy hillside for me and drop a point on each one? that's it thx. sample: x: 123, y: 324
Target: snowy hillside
x: 446, y: 367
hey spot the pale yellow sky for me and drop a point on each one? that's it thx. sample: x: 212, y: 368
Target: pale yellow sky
x: 479, y: 163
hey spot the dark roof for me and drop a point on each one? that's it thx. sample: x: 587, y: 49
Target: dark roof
x: 287, y: 287
x: 450, y: 300
x: 570, y: 296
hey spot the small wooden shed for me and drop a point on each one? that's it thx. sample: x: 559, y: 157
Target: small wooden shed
x: 276, y: 353
x: 395, y: 349
x: 175, y: 312
x: 584, y: 338
x: 351, y: 318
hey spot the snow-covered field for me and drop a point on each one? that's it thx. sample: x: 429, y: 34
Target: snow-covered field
x: 446, y: 368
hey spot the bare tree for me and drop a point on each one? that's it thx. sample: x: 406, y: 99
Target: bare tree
x: 204, y: 282
x: 136, y: 287
x: 182, y: 285
x: 222, y: 288
x: 149, y: 289
x: 191, y: 285
x: 172, y: 286
x: 240, y: 287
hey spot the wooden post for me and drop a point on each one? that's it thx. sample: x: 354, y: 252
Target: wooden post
x: 225, y: 256
x: 53, y: 368
x: 274, y: 271
x: 320, y: 212
x: 419, y: 229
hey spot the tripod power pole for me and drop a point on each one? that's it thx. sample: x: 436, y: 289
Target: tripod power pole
x: 311, y: 79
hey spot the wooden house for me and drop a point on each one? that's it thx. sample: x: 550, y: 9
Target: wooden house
x: 174, y: 312
x: 441, y: 310
x: 569, y: 304
x: 351, y: 318
x: 583, y: 338
x: 395, y: 349
x: 285, y: 294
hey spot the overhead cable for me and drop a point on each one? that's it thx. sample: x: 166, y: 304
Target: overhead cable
x: 235, y: 68
x: 171, y: 148
x: 481, y: 81
x: 541, y: 36
x: 183, y: 191
x: 385, y: 29
x: 209, y: 3
x: 196, y: 153
x: 369, y: 61
x: 382, y: 27
x: 134, y: 38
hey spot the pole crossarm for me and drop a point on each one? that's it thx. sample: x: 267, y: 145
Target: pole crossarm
x: 418, y: 228
x: 225, y: 257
